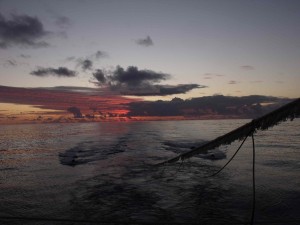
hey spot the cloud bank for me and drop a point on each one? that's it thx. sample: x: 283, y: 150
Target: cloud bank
x: 218, y: 106
x: 82, y: 101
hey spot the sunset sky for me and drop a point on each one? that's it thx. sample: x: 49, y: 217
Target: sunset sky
x: 110, y: 53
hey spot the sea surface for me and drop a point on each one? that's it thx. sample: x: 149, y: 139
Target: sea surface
x: 104, y: 172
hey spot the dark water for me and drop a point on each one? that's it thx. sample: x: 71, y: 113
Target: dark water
x: 104, y: 172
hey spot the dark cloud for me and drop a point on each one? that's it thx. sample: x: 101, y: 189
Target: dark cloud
x: 160, y: 90
x: 232, y: 82
x: 63, y: 22
x: 59, y: 72
x: 99, y: 76
x: 247, y: 67
x: 133, y: 81
x: 133, y: 76
x: 86, y: 64
x: 145, y: 41
x: 22, y: 30
x: 179, y: 89
x: 100, y: 54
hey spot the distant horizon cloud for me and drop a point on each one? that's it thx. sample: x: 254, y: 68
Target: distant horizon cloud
x: 145, y: 41
x: 250, y: 106
x: 135, y: 82
x: 247, y: 67
x: 49, y: 71
x: 23, y: 31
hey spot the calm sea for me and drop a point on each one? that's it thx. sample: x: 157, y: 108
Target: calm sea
x: 104, y: 172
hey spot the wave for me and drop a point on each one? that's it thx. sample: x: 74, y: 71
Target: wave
x: 90, y: 151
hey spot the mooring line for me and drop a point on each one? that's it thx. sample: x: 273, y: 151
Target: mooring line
x: 214, y: 174
x: 253, y: 180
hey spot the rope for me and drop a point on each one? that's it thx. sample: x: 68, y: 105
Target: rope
x: 253, y: 181
x: 214, y: 174
x: 177, y: 171
x: 253, y: 171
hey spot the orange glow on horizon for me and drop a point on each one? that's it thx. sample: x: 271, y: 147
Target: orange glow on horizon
x: 32, y: 104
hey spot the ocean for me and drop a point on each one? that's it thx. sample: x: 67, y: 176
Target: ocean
x: 105, y: 172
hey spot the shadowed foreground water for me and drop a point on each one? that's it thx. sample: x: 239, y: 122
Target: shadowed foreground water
x: 105, y: 172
